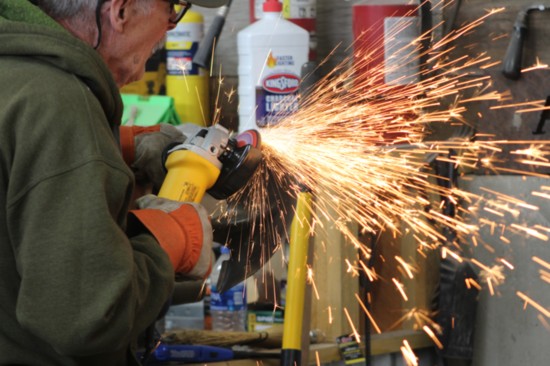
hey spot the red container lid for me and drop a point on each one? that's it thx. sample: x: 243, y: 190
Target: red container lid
x: 272, y: 6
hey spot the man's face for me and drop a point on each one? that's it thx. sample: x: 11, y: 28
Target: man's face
x: 134, y: 33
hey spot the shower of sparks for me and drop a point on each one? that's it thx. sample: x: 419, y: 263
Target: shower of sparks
x: 421, y: 319
x: 363, y: 148
x: 493, y: 275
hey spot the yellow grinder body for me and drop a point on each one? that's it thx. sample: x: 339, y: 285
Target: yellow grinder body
x: 209, y: 161
x: 189, y: 176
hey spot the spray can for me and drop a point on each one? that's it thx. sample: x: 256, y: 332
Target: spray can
x: 271, y: 53
x: 300, y: 12
x: 186, y: 82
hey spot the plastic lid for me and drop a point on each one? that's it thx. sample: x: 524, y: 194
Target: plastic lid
x: 225, y: 250
x: 273, y: 6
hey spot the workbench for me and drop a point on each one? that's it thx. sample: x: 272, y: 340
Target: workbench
x: 324, y: 353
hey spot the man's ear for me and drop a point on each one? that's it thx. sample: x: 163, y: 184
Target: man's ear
x: 118, y: 13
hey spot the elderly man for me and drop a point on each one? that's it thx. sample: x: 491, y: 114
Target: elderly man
x: 82, y: 275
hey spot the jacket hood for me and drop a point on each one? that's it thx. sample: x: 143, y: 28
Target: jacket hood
x: 26, y: 31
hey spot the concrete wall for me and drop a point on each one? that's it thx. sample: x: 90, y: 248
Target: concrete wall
x: 507, y: 334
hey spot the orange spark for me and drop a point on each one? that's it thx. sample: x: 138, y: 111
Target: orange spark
x: 408, y: 354
x: 368, y: 314
x: 432, y: 335
x: 354, y: 330
x: 533, y: 303
x: 541, y: 262
x: 400, y: 288
x: 407, y: 267
x: 506, y: 263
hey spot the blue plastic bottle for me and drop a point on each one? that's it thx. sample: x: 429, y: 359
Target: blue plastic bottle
x: 228, y: 309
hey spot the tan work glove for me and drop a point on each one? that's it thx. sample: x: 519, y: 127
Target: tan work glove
x: 183, y: 230
x: 143, y: 147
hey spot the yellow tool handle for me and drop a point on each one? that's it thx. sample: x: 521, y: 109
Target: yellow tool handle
x: 189, y: 176
x: 297, y: 276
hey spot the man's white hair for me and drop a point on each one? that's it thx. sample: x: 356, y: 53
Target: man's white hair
x: 80, y: 14
x: 67, y: 9
x: 71, y: 9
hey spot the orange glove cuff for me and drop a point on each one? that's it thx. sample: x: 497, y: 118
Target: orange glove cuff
x: 189, y: 220
x: 127, y: 140
x: 179, y: 233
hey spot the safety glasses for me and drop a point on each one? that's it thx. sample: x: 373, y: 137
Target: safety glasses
x: 178, y: 8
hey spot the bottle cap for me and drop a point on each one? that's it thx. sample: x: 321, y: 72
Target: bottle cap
x: 225, y: 250
x: 272, y: 6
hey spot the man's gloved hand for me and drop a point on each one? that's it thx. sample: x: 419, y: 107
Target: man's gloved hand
x: 148, y: 165
x: 182, y: 229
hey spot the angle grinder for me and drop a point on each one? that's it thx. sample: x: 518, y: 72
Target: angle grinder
x: 212, y: 161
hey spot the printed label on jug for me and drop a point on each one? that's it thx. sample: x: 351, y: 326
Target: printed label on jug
x: 281, y: 83
x: 277, y: 94
x: 277, y: 98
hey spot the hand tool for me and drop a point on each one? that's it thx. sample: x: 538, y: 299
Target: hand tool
x: 511, y: 65
x: 199, y: 353
x: 210, y: 161
x: 203, y: 56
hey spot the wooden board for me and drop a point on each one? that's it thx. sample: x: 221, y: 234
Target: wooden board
x: 335, y: 288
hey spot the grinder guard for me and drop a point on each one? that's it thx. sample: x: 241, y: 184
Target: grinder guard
x: 238, y: 166
x: 252, y: 241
